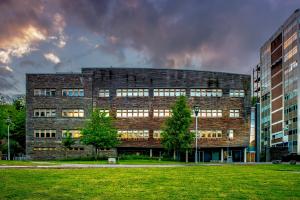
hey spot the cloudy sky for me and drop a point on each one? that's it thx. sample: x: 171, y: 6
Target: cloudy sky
x: 40, y: 36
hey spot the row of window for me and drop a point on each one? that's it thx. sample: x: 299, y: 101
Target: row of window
x: 56, y: 149
x: 124, y: 113
x: 168, y: 92
x: 142, y: 92
x: 50, y: 92
x: 72, y: 113
x: 75, y: 92
x: 128, y: 134
x: 132, y: 92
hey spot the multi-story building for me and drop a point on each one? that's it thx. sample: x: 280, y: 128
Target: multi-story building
x: 140, y: 100
x: 279, y: 89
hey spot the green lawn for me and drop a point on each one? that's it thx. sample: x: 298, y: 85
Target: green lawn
x: 198, y: 182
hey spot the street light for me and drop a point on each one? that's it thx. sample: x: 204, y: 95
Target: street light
x: 196, y: 111
x: 8, y: 121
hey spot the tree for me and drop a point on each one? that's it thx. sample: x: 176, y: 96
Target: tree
x: 68, y: 142
x: 16, y: 113
x: 99, y: 132
x: 176, y: 135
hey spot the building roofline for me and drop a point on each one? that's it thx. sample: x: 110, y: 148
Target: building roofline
x: 158, y: 68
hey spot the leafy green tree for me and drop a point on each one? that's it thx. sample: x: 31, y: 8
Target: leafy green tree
x: 176, y: 135
x: 16, y: 113
x: 99, y: 132
x: 68, y: 142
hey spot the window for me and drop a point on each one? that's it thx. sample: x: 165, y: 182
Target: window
x: 74, y: 92
x: 209, y: 133
x: 157, y: 134
x: 132, y: 113
x: 132, y: 92
x: 234, y: 113
x: 105, y: 111
x: 103, y: 93
x: 237, y: 93
x: 133, y: 134
x: 290, y: 40
x: 44, y: 133
x: 208, y: 113
x: 230, y: 134
x: 45, y: 92
x: 44, y: 113
x: 162, y: 113
x: 72, y: 113
x: 73, y: 133
x: 45, y: 148
x: 206, y: 92
x: 169, y: 92
x: 290, y: 54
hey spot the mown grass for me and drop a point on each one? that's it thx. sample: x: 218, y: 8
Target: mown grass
x: 198, y: 182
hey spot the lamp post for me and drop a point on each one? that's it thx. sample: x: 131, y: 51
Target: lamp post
x: 196, y: 111
x: 8, y: 121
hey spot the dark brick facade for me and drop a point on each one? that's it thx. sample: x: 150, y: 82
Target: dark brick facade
x: 93, y: 79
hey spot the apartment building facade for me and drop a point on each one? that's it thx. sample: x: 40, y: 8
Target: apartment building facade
x: 139, y: 99
x: 279, y: 89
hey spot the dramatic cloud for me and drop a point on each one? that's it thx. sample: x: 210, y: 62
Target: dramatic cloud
x: 52, y: 58
x: 62, y: 35
x: 217, y: 35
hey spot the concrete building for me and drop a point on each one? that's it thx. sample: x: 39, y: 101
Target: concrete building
x: 279, y: 90
x: 140, y: 100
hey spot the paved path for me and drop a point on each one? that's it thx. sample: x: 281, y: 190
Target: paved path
x: 78, y: 166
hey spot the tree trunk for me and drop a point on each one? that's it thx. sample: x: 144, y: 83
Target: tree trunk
x: 174, y: 154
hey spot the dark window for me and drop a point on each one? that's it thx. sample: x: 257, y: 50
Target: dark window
x: 42, y: 134
x: 53, y: 135
x: 37, y: 134
x: 47, y: 135
x: 42, y: 114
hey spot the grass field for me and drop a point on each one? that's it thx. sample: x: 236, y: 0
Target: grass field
x: 198, y: 182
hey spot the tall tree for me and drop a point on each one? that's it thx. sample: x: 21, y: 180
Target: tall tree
x: 16, y: 113
x: 99, y: 131
x: 176, y: 135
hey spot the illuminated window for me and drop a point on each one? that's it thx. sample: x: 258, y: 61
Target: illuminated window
x: 162, y: 113
x: 290, y: 40
x: 44, y: 113
x: 206, y: 92
x: 237, y: 93
x: 73, y: 133
x: 44, y: 133
x: 45, y: 92
x: 133, y: 134
x: 133, y: 92
x: 72, y: 113
x: 208, y: 133
x: 103, y: 93
x: 105, y: 111
x: 208, y: 113
x: 73, y: 92
x: 132, y: 113
x: 157, y: 134
x: 234, y: 113
x: 290, y: 54
x: 169, y: 92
